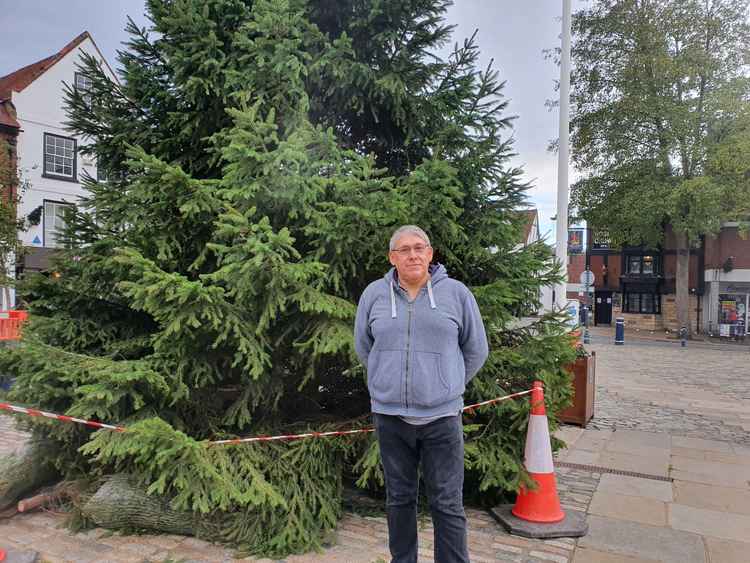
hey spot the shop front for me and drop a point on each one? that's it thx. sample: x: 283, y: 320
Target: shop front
x: 733, y: 314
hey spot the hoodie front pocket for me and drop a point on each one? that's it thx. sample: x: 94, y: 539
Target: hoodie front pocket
x: 384, y: 375
x: 428, y: 387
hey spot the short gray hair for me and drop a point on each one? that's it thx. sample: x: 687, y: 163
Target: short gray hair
x: 408, y: 230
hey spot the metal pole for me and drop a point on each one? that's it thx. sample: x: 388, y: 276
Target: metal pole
x: 563, y: 157
x: 586, y: 338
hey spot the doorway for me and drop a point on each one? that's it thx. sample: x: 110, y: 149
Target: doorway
x: 603, y: 308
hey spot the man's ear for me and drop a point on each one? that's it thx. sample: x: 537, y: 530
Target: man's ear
x: 390, y: 259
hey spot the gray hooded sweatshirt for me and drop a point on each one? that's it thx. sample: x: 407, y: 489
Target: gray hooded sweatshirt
x: 419, y: 354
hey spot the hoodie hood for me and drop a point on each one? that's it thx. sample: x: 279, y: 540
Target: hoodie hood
x: 437, y: 274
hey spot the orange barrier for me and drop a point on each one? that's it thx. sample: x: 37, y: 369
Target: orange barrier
x: 10, y: 324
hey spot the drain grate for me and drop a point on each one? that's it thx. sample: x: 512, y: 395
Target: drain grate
x: 599, y: 469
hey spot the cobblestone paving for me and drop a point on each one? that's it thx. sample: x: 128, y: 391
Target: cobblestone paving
x: 695, y: 392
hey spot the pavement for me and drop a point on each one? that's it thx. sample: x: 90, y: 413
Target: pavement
x: 662, y: 472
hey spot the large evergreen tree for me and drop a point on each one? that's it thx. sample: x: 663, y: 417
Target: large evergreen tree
x: 259, y: 154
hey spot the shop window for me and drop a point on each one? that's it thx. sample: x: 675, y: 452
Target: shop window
x: 642, y: 303
x: 733, y: 314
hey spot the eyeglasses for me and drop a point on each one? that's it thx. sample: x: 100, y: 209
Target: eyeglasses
x: 418, y: 249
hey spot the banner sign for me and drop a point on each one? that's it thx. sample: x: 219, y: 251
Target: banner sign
x: 575, y: 241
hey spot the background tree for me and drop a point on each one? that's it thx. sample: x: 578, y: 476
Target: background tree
x: 11, y: 189
x: 259, y: 155
x: 657, y: 86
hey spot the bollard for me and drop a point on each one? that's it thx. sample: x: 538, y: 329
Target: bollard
x: 683, y: 337
x: 620, y: 331
x: 586, y: 338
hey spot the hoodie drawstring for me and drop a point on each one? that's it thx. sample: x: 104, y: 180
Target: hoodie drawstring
x: 429, y: 292
x: 393, y: 301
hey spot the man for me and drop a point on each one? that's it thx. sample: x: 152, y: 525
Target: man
x: 420, y: 335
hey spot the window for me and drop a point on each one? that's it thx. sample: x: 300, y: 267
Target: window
x: 59, y: 157
x: 634, y: 264
x: 84, y: 84
x: 643, y: 265
x: 54, y: 221
x: 648, y: 265
x: 644, y: 303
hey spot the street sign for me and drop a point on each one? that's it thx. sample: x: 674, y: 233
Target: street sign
x: 587, y: 277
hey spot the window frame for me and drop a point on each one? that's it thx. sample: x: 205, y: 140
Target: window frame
x: 53, y: 175
x: 84, y: 90
x: 628, y: 299
x: 656, y: 262
x: 44, y: 220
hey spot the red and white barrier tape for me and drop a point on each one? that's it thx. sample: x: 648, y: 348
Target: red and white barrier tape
x: 469, y: 409
x: 288, y: 437
x: 34, y: 412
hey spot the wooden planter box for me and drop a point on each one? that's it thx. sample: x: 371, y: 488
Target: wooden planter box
x: 583, y: 372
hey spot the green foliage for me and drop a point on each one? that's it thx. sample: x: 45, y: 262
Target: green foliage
x: 260, y: 154
x: 12, y: 187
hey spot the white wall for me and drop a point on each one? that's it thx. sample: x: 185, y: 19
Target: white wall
x: 40, y: 110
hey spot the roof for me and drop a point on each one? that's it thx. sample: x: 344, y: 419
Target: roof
x: 8, y: 114
x: 20, y: 79
x: 531, y: 217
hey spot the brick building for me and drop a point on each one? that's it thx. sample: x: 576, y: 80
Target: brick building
x: 638, y: 283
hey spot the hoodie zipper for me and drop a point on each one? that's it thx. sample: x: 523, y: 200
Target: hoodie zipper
x: 410, y: 308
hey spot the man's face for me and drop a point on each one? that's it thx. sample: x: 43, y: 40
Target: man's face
x: 411, y: 258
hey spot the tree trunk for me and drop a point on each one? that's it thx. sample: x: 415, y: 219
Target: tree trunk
x: 682, y: 283
x: 24, y: 472
x: 122, y: 504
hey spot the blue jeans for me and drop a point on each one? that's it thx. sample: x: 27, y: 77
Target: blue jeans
x: 439, y: 447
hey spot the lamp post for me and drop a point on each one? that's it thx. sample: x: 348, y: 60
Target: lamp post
x: 563, y: 157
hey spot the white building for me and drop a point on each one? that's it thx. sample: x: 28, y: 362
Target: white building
x: 47, y: 153
x: 531, y: 234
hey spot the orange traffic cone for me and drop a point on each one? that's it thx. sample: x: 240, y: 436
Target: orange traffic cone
x: 537, y: 512
x: 541, y: 504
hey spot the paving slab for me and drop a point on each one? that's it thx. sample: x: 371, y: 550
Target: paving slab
x: 596, y: 556
x: 728, y: 458
x: 641, y: 450
x: 634, y: 509
x: 712, y: 497
x: 703, y: 466
x: 568, y: 434
x: 727, y: 551
x: 710, y: 479
x: 709, y: 522
x: 593, y: 440
x: 630, y: 462
x: 635, y: 487
x: 660, y: 440
x: 641, y: 540
x: 583, y: 457
x: 701, y: 444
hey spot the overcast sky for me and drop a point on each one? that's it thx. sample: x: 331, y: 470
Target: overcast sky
x: 512, y: 32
